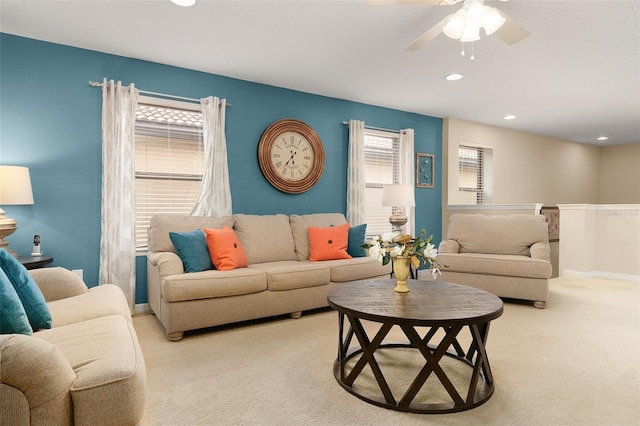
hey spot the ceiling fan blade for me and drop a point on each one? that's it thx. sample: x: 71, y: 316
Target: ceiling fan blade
x: 425, y: 38
x: 511, y: 32
x: 419, y: 2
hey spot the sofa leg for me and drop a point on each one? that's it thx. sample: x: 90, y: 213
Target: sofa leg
x: 174, y: 337
x: 540, y: 304
x: 295, y: 315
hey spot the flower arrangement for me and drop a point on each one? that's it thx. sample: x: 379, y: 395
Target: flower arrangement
x: 418, y: 249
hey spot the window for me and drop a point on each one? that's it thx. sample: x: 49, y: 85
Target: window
x: 475, y: 174
x: 169, y: 161
x: 382, y: 166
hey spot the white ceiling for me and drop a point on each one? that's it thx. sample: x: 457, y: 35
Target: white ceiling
x: 576, y: 77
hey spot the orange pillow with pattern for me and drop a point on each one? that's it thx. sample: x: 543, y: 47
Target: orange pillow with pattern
x: 329, y: 243
x: 225, y: 249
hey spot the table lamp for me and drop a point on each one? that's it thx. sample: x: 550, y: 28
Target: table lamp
x: 15, y: 189
x: 398, y: 196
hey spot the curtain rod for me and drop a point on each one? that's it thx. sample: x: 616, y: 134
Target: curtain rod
x: 346, y: 123
x: 164, y: 95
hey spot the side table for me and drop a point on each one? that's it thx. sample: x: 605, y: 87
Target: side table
x: 34, y: 262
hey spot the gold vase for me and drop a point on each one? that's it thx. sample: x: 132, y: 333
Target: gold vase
x: 401, y: 267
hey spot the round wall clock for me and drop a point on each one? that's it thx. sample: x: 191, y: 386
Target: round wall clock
x: 291, y: 156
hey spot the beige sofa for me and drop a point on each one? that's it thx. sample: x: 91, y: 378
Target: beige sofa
x: 279, y: 279
x: 506, y: 255
x: 87, y: 369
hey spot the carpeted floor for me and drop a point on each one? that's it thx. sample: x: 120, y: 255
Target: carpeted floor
x: 575, y: 363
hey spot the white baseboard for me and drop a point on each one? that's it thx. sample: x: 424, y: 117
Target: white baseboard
x: 141, y: 308
x: 600, y: 274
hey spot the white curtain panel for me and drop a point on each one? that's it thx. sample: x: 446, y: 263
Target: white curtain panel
x: 215, y: 191
x: 407, y: 171
x: 117, y: 238
x: 355, y: 174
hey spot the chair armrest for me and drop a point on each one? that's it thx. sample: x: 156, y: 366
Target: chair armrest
x: 168, y: 263
x: 38, y: 369
x: 449, y: 246
x: 541, y: 251
x: 58, y: 283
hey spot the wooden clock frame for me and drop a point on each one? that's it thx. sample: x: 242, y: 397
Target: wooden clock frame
x: 267, y: 140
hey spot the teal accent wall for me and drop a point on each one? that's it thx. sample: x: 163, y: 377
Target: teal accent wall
x: 50, y: 121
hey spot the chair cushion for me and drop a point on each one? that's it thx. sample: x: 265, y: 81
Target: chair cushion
x: 492, y: 264
x: 30, y: 295
x: 99, y: 301
x: 290, y: 275
x: 225, y: 249
x: 13, y: 318
x: 301, y: 224
x: 192, y: 249
x: 212, y: 284
x: 328, y: 243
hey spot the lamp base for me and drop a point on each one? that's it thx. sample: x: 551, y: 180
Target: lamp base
x: 398, y: 220
x: 7, y: 227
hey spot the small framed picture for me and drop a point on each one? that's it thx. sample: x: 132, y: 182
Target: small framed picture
x: 424, y: 170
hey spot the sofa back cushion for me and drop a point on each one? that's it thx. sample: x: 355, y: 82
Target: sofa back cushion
x: 265, y: 238
x: 300, y: 228
x: 162, y: 224
x: 500, y: 234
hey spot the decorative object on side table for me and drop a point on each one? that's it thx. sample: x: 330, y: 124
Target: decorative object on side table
x: 405, y: 251
x: 15, y: 189
x: 398, y: 196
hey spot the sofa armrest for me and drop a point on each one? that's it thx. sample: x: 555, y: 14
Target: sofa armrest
x: 541, y: 251
x: 168, y: 263
x: 36, y: 368
x: 58, y: 283
x: 448, y: 246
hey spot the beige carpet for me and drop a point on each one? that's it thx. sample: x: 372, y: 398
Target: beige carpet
x: 575, y: 363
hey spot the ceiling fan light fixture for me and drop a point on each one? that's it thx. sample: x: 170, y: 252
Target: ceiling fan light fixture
x: 493, y: 20
x: 470, y: 34
x: 455, y: 25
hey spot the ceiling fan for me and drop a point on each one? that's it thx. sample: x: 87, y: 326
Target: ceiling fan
x: 465, y: 24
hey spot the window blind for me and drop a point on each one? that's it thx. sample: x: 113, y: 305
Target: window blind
x: 475, y: 174
x: 169, y: 163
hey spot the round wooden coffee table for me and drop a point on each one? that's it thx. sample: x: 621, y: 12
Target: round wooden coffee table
x: 431, y: 316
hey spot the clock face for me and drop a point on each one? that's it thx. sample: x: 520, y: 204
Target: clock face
x: 292, y: 156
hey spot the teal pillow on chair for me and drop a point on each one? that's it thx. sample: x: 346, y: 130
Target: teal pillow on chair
x: 30, y: 295
x: 357, y: 236
x: 192, y: 249
x: 13, y: 318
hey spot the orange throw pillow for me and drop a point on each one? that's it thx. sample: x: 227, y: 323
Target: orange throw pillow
x: 225, y: 249
x: 329, y: 243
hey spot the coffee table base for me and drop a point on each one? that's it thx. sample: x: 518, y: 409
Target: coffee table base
x: 480, y: 386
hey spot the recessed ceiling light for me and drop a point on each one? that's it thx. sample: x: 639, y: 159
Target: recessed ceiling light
x: 509, y: 117
x: 185, y: 3
x: 603, y: 138
x: 453, y: 77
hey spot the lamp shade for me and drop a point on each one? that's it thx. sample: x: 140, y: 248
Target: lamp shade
x: 15, y: 186
x: 398, y: 195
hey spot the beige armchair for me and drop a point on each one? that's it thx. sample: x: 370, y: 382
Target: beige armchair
x: 87, y: 369
x: 508, y: 255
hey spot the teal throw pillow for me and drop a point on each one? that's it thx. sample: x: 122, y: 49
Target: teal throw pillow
x: 30, y: 295
x: 357, y: 235
x: 192, y: 249
x: 13, y: 318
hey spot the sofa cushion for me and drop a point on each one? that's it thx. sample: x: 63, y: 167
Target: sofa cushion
x: 30, y: 295
x: 99, y: 301
x: 301, y: 224
x: 265, y: 238
x: 161, y: 224
x: 289, y: 275
x: 328, y: 243
x: 500, y: 234
x: 13, y: 318
x: 210, y: 284
x: 358, y: 268
x: 489, y: 264
x: 225, y: 249
x: 192, y: 249
x: 357, y: 236
x: 105, y: 355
